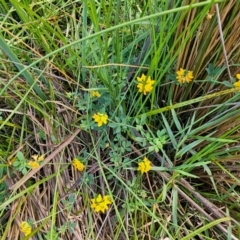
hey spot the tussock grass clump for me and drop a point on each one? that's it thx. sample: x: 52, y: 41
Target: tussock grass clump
x: 119, y: 120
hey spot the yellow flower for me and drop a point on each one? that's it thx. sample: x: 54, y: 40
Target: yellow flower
x: 100, y: 118
x: 145, y: 84
x: 144, y: 166
x: 237, y: 85
x: 25, y: 228
x: 95, y: 94
x: 33, y: 164
x: 184, y: 76
x: 77, y: 164
x: 100, y: 203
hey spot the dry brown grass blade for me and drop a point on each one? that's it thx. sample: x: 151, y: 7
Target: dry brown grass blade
x: 222, y: 41
x: 64, y: 144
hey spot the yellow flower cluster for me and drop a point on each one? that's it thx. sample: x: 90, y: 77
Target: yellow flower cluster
x: 25, y: 228
x: 78, y: 165
x: 237, y: 84
x: 145, y: 84
x: 95, y: 94
x: 34, y: 163
x: 144, y: 166
x: 100, y: 203
x: 184, y: 76
x: 100, y: 118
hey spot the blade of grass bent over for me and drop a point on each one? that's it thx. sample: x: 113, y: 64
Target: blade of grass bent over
x: 186, y: 103
x: 7, y: 50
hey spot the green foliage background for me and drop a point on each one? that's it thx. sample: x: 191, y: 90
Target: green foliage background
x: 55, y: 53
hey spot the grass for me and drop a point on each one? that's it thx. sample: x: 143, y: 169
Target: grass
x: 54, y: 54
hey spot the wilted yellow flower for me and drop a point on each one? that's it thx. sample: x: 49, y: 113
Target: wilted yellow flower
x: 41, y: 158
x: 33, y: 164
x: 145, y: 84
x: 100, y: 203
x: 100, y: 118
x: 144, y: 166
x: 184, y: 76
x: 25, y: 228
x: 36, y: 158
x: 77, y: 164
x: 95, y: 94
x: 209, y: 15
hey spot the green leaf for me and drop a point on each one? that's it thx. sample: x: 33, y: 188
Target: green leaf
x: 20, y: 156
x: 227, y: 84
x: 212, y: 71
x: 139, y: 139
x: 24, y: 171
x: 186, y: 174
x: 113, y: 125
x: 211, y: 139
x: 143, y: 119
x: 16, y: 163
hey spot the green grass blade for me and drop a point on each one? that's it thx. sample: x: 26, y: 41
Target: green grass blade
x: 7, y: 50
